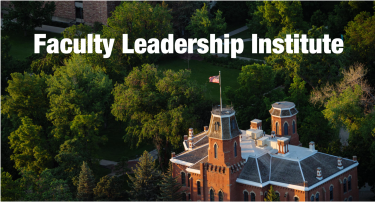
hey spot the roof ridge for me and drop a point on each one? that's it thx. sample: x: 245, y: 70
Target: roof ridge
x: 269, y: 178
x: 181, y: 154
x: 260, y: 177
x: 303, y: 176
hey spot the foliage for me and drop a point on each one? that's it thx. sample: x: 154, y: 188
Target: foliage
x: 158, y: 106
x: 145, y: 183
x: 228, y: 62
x: 169, y: 187
x: 318, y: 18
x: 26, y: 15
x: 138, y: 20
x: 110, y: 189
x: 271, y: 196
x: 10, y: 190
x: 30, y: 147
x: 77, y: 31
x: 86, y: 184
x: 234, y: 12
x: 181, y: 12
x: 201, y: 26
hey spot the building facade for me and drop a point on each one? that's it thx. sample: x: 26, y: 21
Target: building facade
x: 87, y: 12
x: 226, y: 163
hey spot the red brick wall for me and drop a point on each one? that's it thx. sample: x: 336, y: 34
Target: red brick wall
x: 95, y: 11
x: 65, y: 9
x: 294, y: 136
x: 225, y: 152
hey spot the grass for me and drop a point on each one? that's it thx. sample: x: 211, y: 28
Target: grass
x: 116, y: 148
x: 23, y: 46
x: 201, y: 71
x: 247, y: 52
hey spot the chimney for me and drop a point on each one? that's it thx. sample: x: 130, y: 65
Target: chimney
x: 272, y: 134
x: 305, y: 184
x: 256, y: 124
x: 354, y: 158
x: 173, y: 154
x: 190, y: 138
x: 185, y: 137
x: 283, y: 145
x: 205, y: 128
x: 319, y: 175
x: 339, y: 163
x: 312, y: 145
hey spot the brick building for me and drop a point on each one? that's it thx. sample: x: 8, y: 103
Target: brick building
x: 226, y: 163
x: 87, y: 12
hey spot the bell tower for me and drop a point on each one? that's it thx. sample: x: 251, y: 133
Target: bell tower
x: 284, y: 121
x: 224, y: 138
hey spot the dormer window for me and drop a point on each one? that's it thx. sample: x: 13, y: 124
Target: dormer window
x: 235, y: 149
x: 217, y: 126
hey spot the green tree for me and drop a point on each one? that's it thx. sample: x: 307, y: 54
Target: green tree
x: 201, y: 26
x: 159, y: 106
x: 169, y: 187
x: 271, y: 196
x: 26, y: 15
x: 145, y: 183
x: 86, y: 184
x: 10, y: 190
x: 30, y: 147
x: 110, y: 189
x: 318, y: 18
x: 181, y: 13
x: 234, y: 12
x: 138, y: 20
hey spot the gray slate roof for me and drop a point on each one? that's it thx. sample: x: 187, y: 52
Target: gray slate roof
x: 250, y: 171
x: 194, y: 155
x: 286, y: 171
x: 198, y: 164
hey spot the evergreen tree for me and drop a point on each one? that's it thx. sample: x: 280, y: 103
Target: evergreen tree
x: 110, y: 189
x: 272, y: 196
x: 86, y: 184
x: 145, y: 184
x: 169, y: 187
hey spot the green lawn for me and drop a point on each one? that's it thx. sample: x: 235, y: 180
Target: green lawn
x: 201, y: 71
x: 115, y: 148
x: 23, y: 46
x: 247, y: 52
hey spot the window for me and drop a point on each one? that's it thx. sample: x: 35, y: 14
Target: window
x: 183, y: 196
x: 212, y: 196
x: 331, y: 193
x: 235, y: 149
x: 296, y: 198
x: 217, y: 126
x: 285, y: 128
x: 189, y: 179
x: 265, y: 194
x: 215, y: 150
x: 183, y: 180
x: 344, y: 185
x: 312, y: 198
x: 278, y: 196
x: 350, y: 183
x: 294, y: 126
x: 277, y: 128
x: 199, y: 187
x: 79, y: 9
x: 245, y: 196
x: 232, y: 123
x: 350, y: 198
x: 221, y: 197
x: 252, y: 196
x: 189, y: 197
x: 317, y: 197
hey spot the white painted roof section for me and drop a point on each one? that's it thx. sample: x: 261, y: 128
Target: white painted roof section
x: 256, y: 121
x: 296, y: 153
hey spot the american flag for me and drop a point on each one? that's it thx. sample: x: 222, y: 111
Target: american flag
x: 214, y: 79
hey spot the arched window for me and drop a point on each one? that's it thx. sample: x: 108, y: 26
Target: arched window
x: 285, y: 128
x: 312, y: 198
x: 331, y: 193
x: 344, y: 185
x: 245, y: 196
x: 317, y: 197
x: 235, y: 149
x: 212, y: 196
x: 265, y: 194
x: 350, y: 183
x: 199, y: 187
x: 350, y: 198
x: 221, y: 197
x: 183, y: 180
x: 215, y: 150
x: 277, y: 128
x: 189, y: 197
x: 189, y: 179
x: 278, y: 196
x: 296, y: 198
x: 252, y: 196
x: 183, y: 196
x: 294, y: 127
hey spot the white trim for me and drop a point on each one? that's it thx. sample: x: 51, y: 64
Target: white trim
x: 341, y: 157
x: 285, y: 116
x: 184, y: 163
x: 186, y: 148
x: 224, y: 116
x: 199, y: 140
x: 191, y: 170
x: 301, y: 188
x: 303, y: 177
x: 269, y: 176
x: 260, y: 178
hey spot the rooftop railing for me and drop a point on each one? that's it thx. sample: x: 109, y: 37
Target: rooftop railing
x: 227, y: 109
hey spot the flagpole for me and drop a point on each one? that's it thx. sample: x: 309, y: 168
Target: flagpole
x: 221, y: 105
